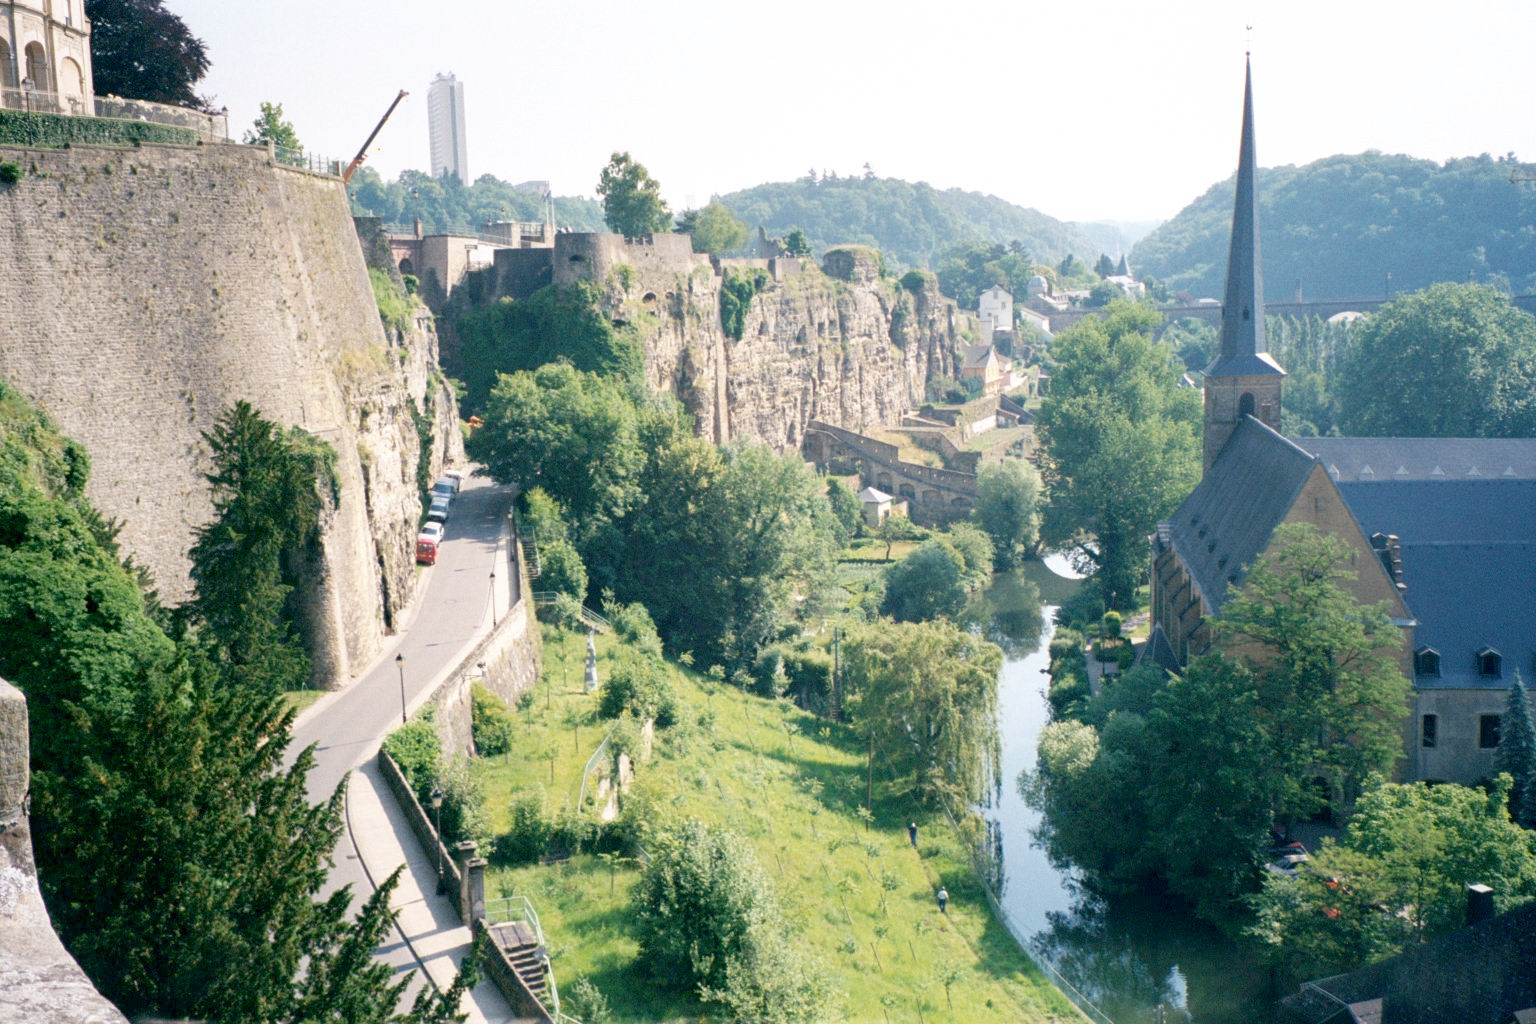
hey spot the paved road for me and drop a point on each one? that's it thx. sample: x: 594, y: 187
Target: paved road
x: 452, y: 612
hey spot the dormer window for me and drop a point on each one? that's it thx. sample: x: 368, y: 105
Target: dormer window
x: 1490, y: 663
x: 1426, y: 662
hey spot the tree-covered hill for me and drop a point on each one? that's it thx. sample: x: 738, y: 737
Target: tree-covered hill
x: 445, y: 205
x: 1341, y: 224
x: 911, y: 223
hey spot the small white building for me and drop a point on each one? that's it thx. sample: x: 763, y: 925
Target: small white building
x: 996, y: 304
x: 877, y: 506
x: 1132, y: 288
x: 1034, y: 318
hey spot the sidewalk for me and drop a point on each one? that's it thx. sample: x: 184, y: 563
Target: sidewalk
x: 429, y: 923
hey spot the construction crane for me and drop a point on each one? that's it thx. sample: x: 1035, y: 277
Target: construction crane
x: 362, y: 154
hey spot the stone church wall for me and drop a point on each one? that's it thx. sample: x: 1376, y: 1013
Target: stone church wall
x: 144, y: 290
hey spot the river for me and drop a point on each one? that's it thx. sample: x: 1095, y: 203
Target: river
x: 1136, y: 961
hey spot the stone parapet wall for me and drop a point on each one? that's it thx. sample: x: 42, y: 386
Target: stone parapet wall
x: 420, y: 822
x: 40, y: 983
x: 504, y: 976
x: 145, y: 290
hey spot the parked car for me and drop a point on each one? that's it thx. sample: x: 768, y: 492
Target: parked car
x: 432, y: 532
x: 426, y: 551
x: 457, y: 476
x: 438, y: 513
x: 444, y: 488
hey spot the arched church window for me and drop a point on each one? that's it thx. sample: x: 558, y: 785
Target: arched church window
x: 1245, y: 405
x: 7, y: 67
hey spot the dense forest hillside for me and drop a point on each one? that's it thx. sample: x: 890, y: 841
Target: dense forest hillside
x: 1341, y: 224
x: 911, y: 223
x: 445, y: 205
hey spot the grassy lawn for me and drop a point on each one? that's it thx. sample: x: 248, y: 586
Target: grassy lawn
x: 861, y: 898
x: 868, y: 549
x: 556, y: 733
x: 298, y: 700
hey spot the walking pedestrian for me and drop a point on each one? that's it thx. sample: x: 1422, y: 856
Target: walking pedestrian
x: 912, y: 834
x: 943, y: 901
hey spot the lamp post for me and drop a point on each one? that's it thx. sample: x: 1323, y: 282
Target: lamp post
x: 26, y: 92
x: 493, y: 598
x: 400, y: 664
x: 437, y: 811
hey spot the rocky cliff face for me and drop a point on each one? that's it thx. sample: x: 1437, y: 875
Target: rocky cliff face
x: 841, y: 344
x: 145, y: 290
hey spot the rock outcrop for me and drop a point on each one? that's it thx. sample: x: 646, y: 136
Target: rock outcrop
x: 144, y: 290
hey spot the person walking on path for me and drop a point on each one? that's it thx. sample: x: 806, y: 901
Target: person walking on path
x: 912, y: 834
x: 943, y: 901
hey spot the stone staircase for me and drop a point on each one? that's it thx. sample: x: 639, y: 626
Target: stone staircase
x: 526, y: 953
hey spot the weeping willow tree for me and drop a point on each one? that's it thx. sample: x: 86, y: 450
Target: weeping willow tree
x: 924, y: 696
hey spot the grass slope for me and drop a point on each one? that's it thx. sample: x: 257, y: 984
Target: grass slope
x: 794, y: 785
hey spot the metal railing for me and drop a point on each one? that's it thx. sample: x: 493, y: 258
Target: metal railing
x: 589, y: 618
x: 211, y: 126
x: 305, y: 161
x: 592, y: 762
x: 509, y: 909
x: 39, y: 101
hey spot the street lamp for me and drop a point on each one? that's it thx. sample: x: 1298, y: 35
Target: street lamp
x: 493, y: 598
x: 437, y: 811
x: 26, y: 92
x: 400, y: 664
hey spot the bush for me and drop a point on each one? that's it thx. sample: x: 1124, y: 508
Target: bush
x: 416, y: 750
x: 768, y: 673
x: 737, y: 290
x: 583, y: 1001
x: 1111, y: 625
x: 54, y: 131
x: 528, y: 837
x: 490, y: 722
x: 569, y: 831
x: 632, y: 624
x: 543, y: 518
x: 463, y: 814
x: 927, y: 584
x: 810, y: 678
x: 561, y: 571
x: 395, y: 309
x: 643, y: 687
x: 10, y: 173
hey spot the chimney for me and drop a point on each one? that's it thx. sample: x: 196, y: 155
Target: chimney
x: 1479, y: 904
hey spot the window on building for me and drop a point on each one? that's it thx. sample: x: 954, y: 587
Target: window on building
x: 1488, y: 731
x: 1426, y: 662
x: 1431, y: 730
x: 1490, y: 664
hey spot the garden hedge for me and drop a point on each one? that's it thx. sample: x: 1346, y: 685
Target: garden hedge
x: 51, y: 131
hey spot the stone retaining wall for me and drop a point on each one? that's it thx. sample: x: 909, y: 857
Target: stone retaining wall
x: 505, y: 977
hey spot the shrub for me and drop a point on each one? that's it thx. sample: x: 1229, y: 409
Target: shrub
x: 463, y: 816
x: 737, y: 290
x: 632, y: 624
x: 416, y: 750
x: 412, y: 283
x: 543, y: 517
x: 768, y: 675
x: 928, y: 583
x: 561, y: 571
x: 642, y: 686
x: 1111, y: 625
x: 10, y: 173
x: 490, y: 722
x: 915, y: 280
x: 1066, y: 643
x: 810, y: 678
x: 583, y: 1001
x: 19, y: 128
x: 528, y: 837
x: 395, y: 309
x: 569, y: 831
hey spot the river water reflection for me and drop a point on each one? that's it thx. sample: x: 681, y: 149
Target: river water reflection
x: 1138, y: 961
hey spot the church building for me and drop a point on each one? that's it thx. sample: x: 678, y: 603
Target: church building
x: 1441, y: 529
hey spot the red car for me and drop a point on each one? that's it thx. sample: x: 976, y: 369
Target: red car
x: 426, y: 551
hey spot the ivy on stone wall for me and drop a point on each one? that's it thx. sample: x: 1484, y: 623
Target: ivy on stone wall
x: 737, y: 290
x: 51, y: 131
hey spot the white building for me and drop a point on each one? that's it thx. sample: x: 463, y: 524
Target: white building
x: 445, y: 116
x: 45, y: 57
x: 996, y: 304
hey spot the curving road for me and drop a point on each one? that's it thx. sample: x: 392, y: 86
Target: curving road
x: 451, y: 613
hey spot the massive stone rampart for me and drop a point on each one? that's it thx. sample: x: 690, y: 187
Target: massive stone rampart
x: 144, y: 290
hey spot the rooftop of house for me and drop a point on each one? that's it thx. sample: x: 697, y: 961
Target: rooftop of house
x: 977, y: 357
x: 1460, y: 508
x: 871, y: 496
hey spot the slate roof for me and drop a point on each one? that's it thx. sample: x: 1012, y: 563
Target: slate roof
x: 869, y: 494
x: 1469, y: 563
x: 1424, y: 458
x: 1229, y: 516
x: 976, y: 357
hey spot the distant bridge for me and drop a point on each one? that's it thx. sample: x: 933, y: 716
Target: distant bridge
x: 1210, y: 312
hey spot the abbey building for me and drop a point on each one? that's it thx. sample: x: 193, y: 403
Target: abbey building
x: 1441, y: 529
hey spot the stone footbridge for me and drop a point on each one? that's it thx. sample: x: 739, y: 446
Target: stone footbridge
x: 934, y: 496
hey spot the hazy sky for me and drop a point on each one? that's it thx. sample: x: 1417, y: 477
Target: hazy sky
x: 1109, y: 109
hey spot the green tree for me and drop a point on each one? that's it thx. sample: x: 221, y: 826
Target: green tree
x: 896, y: 528
x: 927, y: 584
x: 1454, y: 360
x: 1516, y: 755
x: 1331, y: 695
x: 574, y: 434
x: 1397, y: 877
x: 708, y: 918
x: 561, y: 570
x: 715, y: 229
x: 632, y: 203
x: 142, y: 51
x: 796, y: 244
x: 845, y: 508
x: 976, y: 552
x: 245, y: 564
x: 1008, y: 508
x: 1105, y: 266
x: 925, y: 697
x: 965, y: 271
x: 270, y: 126
x: 1120, y: 447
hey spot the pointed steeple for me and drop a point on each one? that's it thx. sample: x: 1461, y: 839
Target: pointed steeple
x: 1243, y: 348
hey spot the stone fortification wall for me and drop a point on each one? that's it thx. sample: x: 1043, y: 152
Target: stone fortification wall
x: 40, y: 983
x: 145, y: 290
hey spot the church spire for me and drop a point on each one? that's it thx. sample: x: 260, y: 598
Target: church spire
x: 1243, y: 349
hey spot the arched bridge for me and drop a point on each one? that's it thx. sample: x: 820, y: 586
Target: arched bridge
x: 934, y: 496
